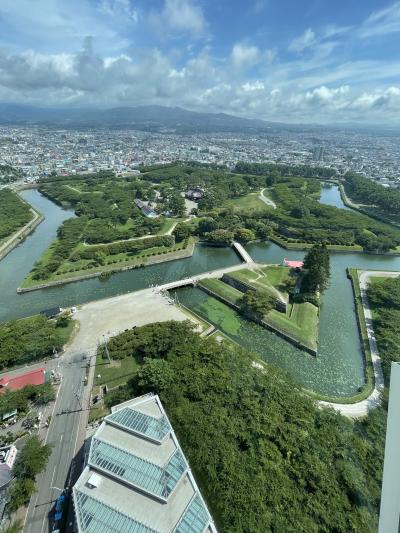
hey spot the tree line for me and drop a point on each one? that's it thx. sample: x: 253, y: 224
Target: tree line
x: 362, y: 189
x: 14, y: 213
x: 31, y: 339
x: 266, y: 457
x: 384, y: 298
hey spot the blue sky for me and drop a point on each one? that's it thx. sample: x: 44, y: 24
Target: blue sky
x: 287, y: 60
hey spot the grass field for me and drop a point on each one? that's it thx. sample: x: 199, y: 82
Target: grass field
x: 271, y: 279
x: 300, y: 321
x: 250, y: 202
x: 222, y: 289
x: 116, y: 373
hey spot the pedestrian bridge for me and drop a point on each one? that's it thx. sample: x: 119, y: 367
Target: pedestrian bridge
x: 242, y: 252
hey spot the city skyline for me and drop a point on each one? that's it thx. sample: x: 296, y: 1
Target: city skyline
x: 290, y: 62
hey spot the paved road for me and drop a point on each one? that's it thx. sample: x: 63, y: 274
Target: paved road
x: 67, y: 429
x: 360, y: 409
x: 267, y: 200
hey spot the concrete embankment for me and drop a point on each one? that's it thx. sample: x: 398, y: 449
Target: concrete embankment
x: 21, y: 234
x: 263, y: 323
x: 153, y: 260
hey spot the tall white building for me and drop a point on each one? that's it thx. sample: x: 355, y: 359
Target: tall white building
x: 137, y: 479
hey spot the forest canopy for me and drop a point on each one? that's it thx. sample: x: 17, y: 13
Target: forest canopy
x: 14, y: 213
x: 266, y: 457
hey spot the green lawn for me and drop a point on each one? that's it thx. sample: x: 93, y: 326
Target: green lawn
x: 221, y: 288
x: 167, y: 225
x: 74, y: 269
x: 250, y: 202
x: 300, y: 322
x: 116, y: 373
x: 271, y: 279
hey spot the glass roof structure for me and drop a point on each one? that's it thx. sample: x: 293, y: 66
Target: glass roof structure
x: 137, y: 422
x: 97, y: 517
x: 136, y: 478
x: 195, y: 518
x: 154, y: 479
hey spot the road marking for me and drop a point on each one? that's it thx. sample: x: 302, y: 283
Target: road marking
x: 52, y: 477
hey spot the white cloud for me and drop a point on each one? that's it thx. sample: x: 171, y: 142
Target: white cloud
x: 305, y: 40
x: 309, y: 88
x: 381, y: 22
x: 120, y: 9
x: 181, y: 17
x: 244, y: 57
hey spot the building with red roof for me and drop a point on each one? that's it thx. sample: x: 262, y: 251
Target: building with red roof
x: 33, y: 377
x: 293, y: 264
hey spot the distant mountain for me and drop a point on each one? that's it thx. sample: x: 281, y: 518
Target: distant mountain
x: 148, y: 118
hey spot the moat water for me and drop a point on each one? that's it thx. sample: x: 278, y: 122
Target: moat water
x: 338, y: 369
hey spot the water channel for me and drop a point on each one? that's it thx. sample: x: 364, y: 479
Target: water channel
x: 338, y: 369
x: 330, y: 195
x: 18, y: 263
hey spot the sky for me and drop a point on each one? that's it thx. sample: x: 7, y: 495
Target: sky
x: 298, y: 61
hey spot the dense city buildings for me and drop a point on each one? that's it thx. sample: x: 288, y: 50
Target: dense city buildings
x: 38, y: 151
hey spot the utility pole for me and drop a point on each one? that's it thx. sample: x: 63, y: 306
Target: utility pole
x: 107, y: 352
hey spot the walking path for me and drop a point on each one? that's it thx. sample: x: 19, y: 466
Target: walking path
x: 359, y: 409
x: 267, y: 200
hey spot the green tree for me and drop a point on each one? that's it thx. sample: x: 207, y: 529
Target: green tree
x: 206, y: 225
x: 245, y: 235
x: 32, y: 458
x: 156, y: 372
x: 176, y: 204
x: 20, y: 492
x: 182, y: 232
x: 256, y: 303
x: 220, y: 236
x: 316, y: 269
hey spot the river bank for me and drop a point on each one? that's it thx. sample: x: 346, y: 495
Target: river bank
x: 112, y: 269
x: 16, y: 238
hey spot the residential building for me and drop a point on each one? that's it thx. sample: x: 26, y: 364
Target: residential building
x: 137, y: 478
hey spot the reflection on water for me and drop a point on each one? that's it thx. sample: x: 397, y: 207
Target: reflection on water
x: 330, y: 195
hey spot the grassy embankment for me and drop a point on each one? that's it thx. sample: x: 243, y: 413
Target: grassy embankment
x: 15, y: 214
x: 69, y: 270
x: 300, y: 322
x: 369, y: 210
x: 250, y: 202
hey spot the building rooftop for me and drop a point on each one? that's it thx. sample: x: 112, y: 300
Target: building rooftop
x: 293, y: 264
x: 34, y: 377
x: 137, y: 478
